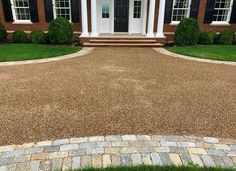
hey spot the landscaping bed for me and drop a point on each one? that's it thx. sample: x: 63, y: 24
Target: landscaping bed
x: 158, y: 168
x: 21, y: 52
x: 215, y: 52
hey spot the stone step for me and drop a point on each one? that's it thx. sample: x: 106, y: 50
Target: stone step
x: 123, y: 44
x: 122, y: 41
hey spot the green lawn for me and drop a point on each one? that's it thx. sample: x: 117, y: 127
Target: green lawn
x: 158, y: 168
x: 21, y: 52
x: 216, y: 52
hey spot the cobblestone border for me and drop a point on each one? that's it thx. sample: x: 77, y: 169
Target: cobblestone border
x: 82, y: 52
x: 103, y: 151
x: 166, y: 52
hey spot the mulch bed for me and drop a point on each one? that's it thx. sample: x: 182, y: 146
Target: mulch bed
x: 116, y: 91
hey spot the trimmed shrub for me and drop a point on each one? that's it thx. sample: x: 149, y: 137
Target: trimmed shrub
x: 226, y: 38
x: 187, y: 32
x: 20, y: 37
x: 3, y: 33
x: 207, y: 37
x: 60, y: 31
x: 39, y: 37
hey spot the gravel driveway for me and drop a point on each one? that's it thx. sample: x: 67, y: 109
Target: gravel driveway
x: 116, y: 91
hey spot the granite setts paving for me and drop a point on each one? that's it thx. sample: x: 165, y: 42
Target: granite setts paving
x: 103, y: 151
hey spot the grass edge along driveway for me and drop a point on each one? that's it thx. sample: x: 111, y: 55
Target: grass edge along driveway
x: 214, y: 52
x: 21, y: 52
x: 157, y: 168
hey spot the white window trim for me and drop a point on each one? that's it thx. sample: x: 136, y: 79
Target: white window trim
x: 55, y: 13
x: 16, y: 21
x: 188, y: 14
x: 224, y: 23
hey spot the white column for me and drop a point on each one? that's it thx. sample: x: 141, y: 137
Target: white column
x: 161, y: 17
x: 84, y: 19
x: 144, y: 17
x: 151, y: 18
x: 94, y: 18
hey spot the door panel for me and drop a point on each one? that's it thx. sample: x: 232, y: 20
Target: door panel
x: 121, y: 16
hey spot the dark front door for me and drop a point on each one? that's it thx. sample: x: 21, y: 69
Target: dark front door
x: 121, y: 15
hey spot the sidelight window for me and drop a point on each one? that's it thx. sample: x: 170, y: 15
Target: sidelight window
x: 105, y: 10
x: 137, y: 9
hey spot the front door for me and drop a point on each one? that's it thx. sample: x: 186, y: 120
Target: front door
x: 121, y: 22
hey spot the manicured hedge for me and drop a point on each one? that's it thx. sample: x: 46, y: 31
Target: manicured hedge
x: 187, y: 32
x: 3, y: 33
x: 39, y: 37
x: 226, y: 38
x: 207, y: 37
x: 20, y: 37
x: 60, y: 31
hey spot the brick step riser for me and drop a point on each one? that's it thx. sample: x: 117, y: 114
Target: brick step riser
x: 123, y: 45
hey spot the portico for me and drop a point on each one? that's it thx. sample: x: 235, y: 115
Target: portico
x: 117, y: 17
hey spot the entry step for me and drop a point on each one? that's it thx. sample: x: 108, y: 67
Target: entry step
x: 123, y: 44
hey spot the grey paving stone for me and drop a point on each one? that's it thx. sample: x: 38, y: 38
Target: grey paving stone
x: 146, y: 159
x: 50, y: 149
x: 80, y: 152
x: 113, y: 138
x: 34, y: 165
x: 5, y: 161
x: 11, y: 167
x: 177, y: 150
x: 104, y: 144
x: 76, y: 163
x: 144, y: 137
x: 45, y: 165
x: 56, y: 164
x: 158, y: 137
x: 186, y: 144
x: 68, y: 147
x: 95, y: 151
x: 185, y: 157
x: 211, y: 140
x: 60, y: 142
x: 88, y: 145
x: 165, y: 159
x: 96, y: 138
x: 162, y: 149
x: 115, y: 160
x: 86, y: 161
x: 218, y: 161
x: 136, y: 159
x: 168, y: 144
x: 208, y: 161
x: 216, y: 152
x: 14, y: 153
x: 228, y: 162
x: 129, y: 138
x: 22, y: 166
x: 146, y: 150
x: 125, y: 159
x: 21, y: 159
x: 156, y: 159
x: 233, y: 147
x: 196, y: 159
x: 34, y: 150
x: 120, y: 144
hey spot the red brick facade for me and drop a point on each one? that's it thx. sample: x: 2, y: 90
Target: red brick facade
x: 168, y: 29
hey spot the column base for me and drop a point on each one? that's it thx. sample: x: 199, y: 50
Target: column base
x: 94, y: 35
x: 84, y: 35
x: 150, y: 35
x: 160, y: 35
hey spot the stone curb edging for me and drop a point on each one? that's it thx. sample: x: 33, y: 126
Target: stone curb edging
x: 103, y: 151
x: 82, y: 52
x: 166, y: 52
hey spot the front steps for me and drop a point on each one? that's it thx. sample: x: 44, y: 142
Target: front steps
x: 122, y: 42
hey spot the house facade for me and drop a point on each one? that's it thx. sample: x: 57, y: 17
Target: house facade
x: 94, y: 18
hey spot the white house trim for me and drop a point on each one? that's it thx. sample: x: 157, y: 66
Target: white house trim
x: 151, y: 18
x: 84, y: 19
x: 161, y: 16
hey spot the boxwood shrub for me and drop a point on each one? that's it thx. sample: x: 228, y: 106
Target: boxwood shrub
x: 20, y: 37
x: 3, y: 33
x: 187, y: 32
x: 226, y: 38
x: 207, y: 37
x: 39, y: 37
x: 60, y: 31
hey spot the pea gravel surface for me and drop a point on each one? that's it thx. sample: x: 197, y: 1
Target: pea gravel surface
x: 116, y: 91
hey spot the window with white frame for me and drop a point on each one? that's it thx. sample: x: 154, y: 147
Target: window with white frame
x: 105, y: 9
x: 222, y: 10
x: 137, y: 9
x: 181, y: 9
x: 62, y: 8
x: 21, y: 10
